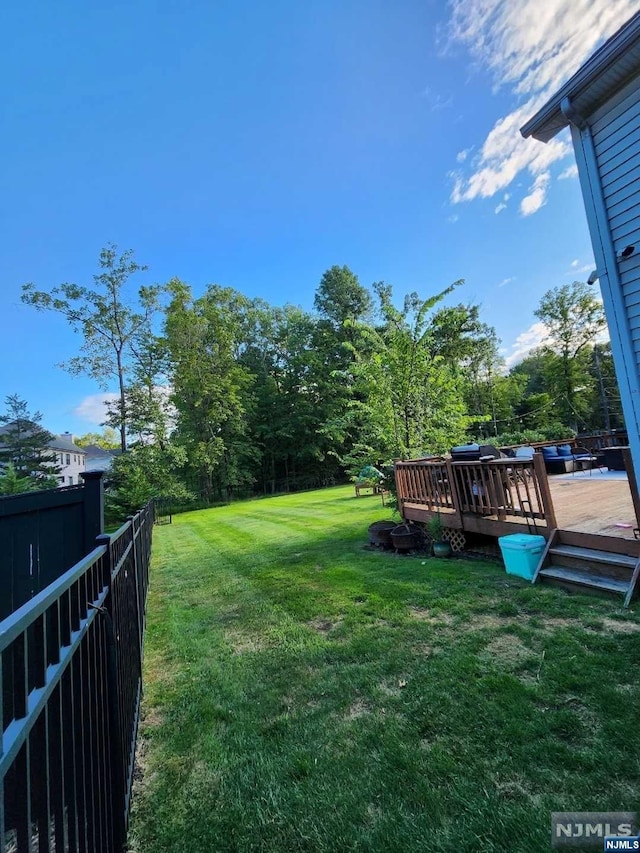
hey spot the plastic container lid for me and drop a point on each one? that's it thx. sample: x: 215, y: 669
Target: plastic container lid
x: 522, y: 541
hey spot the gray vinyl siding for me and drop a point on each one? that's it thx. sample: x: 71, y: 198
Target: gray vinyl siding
x: 616, y: 137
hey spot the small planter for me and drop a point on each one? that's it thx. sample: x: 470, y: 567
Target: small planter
x: 380, y: 533
x: 406, y: 537
x: 442, y: 549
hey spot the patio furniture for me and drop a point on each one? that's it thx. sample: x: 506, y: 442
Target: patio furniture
x: 369, y: 478
x: 562, y: 458
x: 585, y: 463
x: 614, y: 458
x: 524, y: 453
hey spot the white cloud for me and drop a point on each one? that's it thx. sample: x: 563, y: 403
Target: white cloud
x: 435, y: 100
x: 531, y: 48
x: 453, y: 218
x: 461, y: 156
x: 569, y: 172
x: 93, y: 408
x: 537, y: 195
x: 536, y: 335
x: 506, y: 281
x: 575, y: 263
x: 576, y: 268
x: 503, y: 204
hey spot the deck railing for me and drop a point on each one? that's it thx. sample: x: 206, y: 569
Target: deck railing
x: 70, y: 680
x: 510, y: 491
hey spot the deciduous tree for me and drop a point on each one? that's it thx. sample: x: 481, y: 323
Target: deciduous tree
x: 109, y: 321
x: 574, y: 318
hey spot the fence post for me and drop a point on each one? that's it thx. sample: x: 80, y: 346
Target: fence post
x: 135, y: 545
x: 118, y: 771
x: 93, y: 498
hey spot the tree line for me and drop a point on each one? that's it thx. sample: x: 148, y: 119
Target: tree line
x: 222, y: 395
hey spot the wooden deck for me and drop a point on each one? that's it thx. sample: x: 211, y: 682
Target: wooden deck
x: 593, y: 505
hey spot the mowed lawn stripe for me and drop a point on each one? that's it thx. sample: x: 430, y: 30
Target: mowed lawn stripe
x: 305, y: 694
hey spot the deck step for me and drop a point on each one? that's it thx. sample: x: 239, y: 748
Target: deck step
x: 590, y: 555
x: 561, y: 573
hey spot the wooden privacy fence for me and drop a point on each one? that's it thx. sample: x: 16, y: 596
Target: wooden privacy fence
x: 70, y: 676
x: 43, y: 533
x: 497, y: 496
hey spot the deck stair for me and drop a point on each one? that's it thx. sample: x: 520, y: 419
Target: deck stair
x: 591, y: 563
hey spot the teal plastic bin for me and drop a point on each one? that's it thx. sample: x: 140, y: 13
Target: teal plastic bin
x: 521, y: 553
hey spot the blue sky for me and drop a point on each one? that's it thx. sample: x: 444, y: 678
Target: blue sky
x: 256, y: 144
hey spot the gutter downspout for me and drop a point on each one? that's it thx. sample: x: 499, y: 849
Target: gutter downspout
x: 611, y: 287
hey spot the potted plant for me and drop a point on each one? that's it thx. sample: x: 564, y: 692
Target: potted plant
x: 435, y: 529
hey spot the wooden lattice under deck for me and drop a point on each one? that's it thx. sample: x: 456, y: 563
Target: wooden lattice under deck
x: 456, y: 539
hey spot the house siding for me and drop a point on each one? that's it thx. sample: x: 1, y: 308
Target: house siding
x: 616, y: 138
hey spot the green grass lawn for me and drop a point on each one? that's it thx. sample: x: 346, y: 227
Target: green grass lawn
x: 306, y: 694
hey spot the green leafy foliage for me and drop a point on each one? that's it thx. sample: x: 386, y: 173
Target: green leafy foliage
x: 12, y: 484
x: 25, y: 446
x: 265, y: 399
x: 107, y: 439
x: 146, y: 472
x: 111, y: 328
x: 574, y: 318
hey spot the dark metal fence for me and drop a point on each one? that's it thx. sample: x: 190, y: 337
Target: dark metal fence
x: 70, y: 675
x: 42, y: 534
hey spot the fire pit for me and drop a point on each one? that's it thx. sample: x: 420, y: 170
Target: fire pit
x: 380, y: 533
x: 406, y: 537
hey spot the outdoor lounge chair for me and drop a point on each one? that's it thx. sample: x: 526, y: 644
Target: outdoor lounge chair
x: 563, y: 459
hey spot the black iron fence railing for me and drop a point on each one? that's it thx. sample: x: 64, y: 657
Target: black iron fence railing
x: 70, y: 678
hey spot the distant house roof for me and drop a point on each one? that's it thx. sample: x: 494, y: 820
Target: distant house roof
x: 99, y: 459
x: 607, y: 71
x: 59, y: 442
x: 94, y: 451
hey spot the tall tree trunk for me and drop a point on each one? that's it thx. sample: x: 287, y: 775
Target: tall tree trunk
x: 123, y: 417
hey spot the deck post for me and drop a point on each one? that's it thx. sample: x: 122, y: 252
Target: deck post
x: 545, y: 491
x: 633, y: 483
x: 496, y: 502
x: 453, y: 486
x: 400, y: 487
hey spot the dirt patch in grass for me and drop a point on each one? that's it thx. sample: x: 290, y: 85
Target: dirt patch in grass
x: 358, y: 709
x: 514, y: 789
x: 468, y: 622
x: 480, y: 621
x: 620, y: 627
x: 422, y: 614
x: 374, y: 812
x: 425, y: 649
x: 243, y: 643
x: 324, y: 626
x: 555, y: 623
x: 509, y: 650
x: 576, y: 707
x: 389, y: 688
x: 152, y: 718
